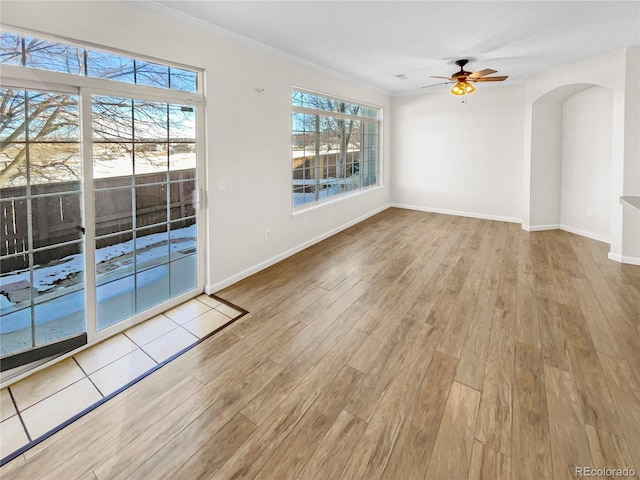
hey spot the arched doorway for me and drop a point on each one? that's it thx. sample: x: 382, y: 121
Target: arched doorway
x: 571, y: 160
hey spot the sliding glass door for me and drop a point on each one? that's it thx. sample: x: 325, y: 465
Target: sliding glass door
x: 144, y: 174
x: 41, y: 254
x: 98, y: 193
x: 140, y: 164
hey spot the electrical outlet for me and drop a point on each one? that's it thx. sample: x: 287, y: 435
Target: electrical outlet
x: 589, y: 212
x: 267, y: 234
x: 222, y: 185
x: 503, y: 200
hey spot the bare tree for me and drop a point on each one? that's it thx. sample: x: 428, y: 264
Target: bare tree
x: 45, y: 116
x: 29, y: 117
x: 337, y: 133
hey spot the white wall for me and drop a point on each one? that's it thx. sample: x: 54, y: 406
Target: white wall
x: 615, y: 72
x: 631, y: 181
x: 248, y: 132
x: 546, y: 159
x: 460, y: 158
x: 586, y: 163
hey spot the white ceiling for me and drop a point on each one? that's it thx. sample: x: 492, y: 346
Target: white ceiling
x: 373, y: 41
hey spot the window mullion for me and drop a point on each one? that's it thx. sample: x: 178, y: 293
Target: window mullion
x: 318, y: 173
x: 15, y: 75
x: 333, y: 114
x: 88, y: 212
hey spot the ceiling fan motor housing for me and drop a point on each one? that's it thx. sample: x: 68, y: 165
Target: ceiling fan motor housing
x: 462, y: 73
x: 462, y: 78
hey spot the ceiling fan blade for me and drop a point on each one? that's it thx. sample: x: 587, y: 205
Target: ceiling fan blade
x: 491, y: 79
x: 482, y: 73
x: 446, y: 78
x: 436, y: 84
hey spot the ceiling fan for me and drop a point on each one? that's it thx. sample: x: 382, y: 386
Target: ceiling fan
x: 463, y: 78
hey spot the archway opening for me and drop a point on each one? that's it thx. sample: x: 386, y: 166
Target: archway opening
x: 571, y: 160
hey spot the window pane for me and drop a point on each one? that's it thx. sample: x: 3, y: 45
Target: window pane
x: 52, y: 117
x: 114, y: 257
x: 151, y: 205
x: 13, y: 125
x: 109, y: 66
x: 15, y: 233
x: 112, y: 118
x: 182, y: 199
x: 296, y: 98
x: 10, y: 48
x: 182, y: 238
x: 152, y: 162
x: 60, y: 317
x: 57, y: 57
x: 55, y: 219
x: 182, y: 123
x: 152, y: 74
x: 15, y: 330
x: 183, y: 80
x: 112, y: 164
x: 113, y: 210
x: 152, y: 287
x: 152, y: 247
x: 14, y: 277
x: 327, y: 104
x: 13, y: 167
x: 149, y: 121
x: 115, y: 301
x: 303, y: 122
x: 300, y: 197
x: 186, y: 174
x: 56, y: 271
x: 57, y: 165
x: 16, y: 49
x: 182, y: 157
x: 183, y: 275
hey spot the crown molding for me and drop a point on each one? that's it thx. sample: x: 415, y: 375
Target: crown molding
x: 166, y: 11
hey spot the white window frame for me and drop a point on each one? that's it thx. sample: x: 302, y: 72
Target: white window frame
x: 340, y: 197
x: 20, y: 77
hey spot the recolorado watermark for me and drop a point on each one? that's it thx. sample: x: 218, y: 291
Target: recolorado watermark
x: 604, y: 472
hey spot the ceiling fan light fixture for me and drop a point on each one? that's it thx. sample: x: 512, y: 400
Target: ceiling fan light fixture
x: 458, y: 89
x: 462, y: 88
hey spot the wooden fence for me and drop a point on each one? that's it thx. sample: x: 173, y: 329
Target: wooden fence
x: 57, y: 219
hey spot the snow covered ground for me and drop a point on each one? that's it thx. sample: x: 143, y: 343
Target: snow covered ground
x: 333, y: 186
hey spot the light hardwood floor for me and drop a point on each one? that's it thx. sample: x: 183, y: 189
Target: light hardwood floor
x: 410, y: 346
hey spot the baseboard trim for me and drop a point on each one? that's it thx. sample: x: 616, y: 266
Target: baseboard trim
x: 540, y: 228
x: 458, y: 213
x: 624, y: 259
x: 582, y: 233
x: 215, y: 287
x: 566, y: 228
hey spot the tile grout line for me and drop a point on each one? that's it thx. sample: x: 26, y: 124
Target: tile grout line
x: 15, y: 405
x: 87, y: 376
x: 241, y: 313
x: 140, y: 346
x: 153, y: 359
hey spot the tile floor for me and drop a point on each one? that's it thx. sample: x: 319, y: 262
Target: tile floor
x: 41, y: 402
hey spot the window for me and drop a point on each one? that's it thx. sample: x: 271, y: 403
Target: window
x: 41, y: 252
x: 144, y: 171
x: 41, y: 54
x: 335, y: 147
x: 97, y: 229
